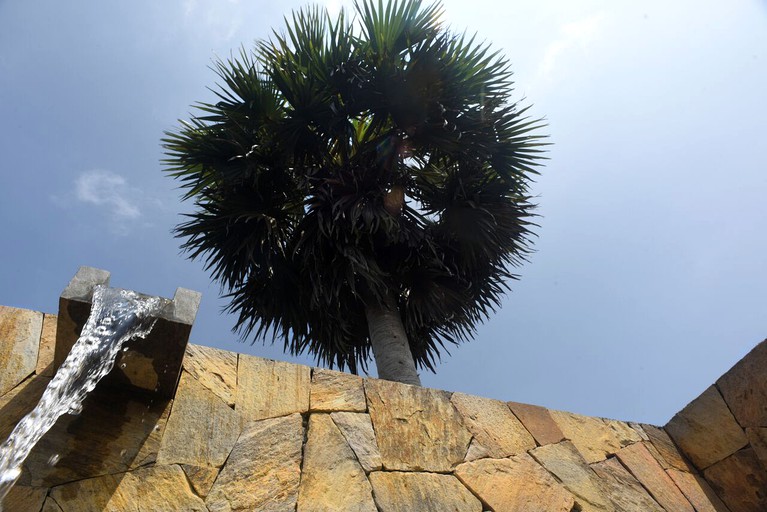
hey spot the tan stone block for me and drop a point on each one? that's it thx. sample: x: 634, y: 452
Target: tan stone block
x: 424, y: 492
x: 538, y: 422
x: 20, y: 331
x: 215, y: 369
x: 493, y: 425
x: 757, y: 437
x: 114, y: 432
x: 51, y: 506
x: 263, y: 470
x: 201, y: 478
x: 24, y: 499
x: 565, y: 462
x: 19, y: 401
x: 740, y: 481
x: 670, y: 456
x: 638, y: 459
x: 336, y: 391
x: 408, y: 419
x: 201, y: 430
x: 706, y: 430
x: 267, y: 389
x: 331, y: 477
x: 475, y: 451
x: 515, y: 483
x: 357, y: 429
x: 744, y: 388
x: 161, y: 488
x: 697, y: 491
x: 595, y: 438
x: 47, y: 346
x: 147, y: 453
x: 623, y: 489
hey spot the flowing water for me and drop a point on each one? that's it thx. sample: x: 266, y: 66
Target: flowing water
x: 116, y: 316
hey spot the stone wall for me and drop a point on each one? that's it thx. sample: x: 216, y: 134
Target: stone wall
x: 723, y: 432
x: 244, y: 433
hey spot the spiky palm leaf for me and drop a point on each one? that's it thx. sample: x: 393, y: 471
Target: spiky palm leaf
x: 344, y: 159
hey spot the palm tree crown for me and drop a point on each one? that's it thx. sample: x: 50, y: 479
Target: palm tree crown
x: 346, y: 161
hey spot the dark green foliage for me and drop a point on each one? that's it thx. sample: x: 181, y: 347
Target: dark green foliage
x: 312, y: 131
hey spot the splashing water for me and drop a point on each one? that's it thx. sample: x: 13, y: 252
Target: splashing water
x: 116, y: 316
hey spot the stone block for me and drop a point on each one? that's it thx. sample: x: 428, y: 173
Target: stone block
x: 408, y: 421
x: 331, y: 476
x: 201, y: 478
x: 565, y: 462
x: 151, y: 364
x: 201, y: 430
x: 705, y: 430
x: 267, y: 389
x: 538, y: 422
x: 595, y: 438
x: 155, y: 488
x: 215, y: 369
x: 697, y: 491
x: 625, y: 491
x: 24, y: 499
x: 336, y: 391
x: 19, y: 344
x: 670, y: 456
x: 425, y: 492
x: 19, y: 401
x: 740, y: 481
x: 357, y: 429
x: 264, y: 469
x: 493, y: 425
x: 757, y: 437
x: 648, y: 471
x: 515, y: 483
x: 475, y: 451
x: 744, y: 388
x: 47, y: 346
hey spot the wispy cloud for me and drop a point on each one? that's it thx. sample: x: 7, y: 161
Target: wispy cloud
x: 108, y: 190
x: 576, y: 34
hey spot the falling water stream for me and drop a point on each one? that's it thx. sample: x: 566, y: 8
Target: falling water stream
x: 116, y: 316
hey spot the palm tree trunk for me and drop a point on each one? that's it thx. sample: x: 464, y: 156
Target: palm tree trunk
x: 391, y: 350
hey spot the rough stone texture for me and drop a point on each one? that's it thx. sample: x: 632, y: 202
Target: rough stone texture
x: 595, y: 438
x: 623, y: 489
x: 51, y: 506
x: 263, y: 470
x: 706, y: 430
x: 331, y: 477
x: 114, y: 432
x: 417, y: 429
x: 47, y: 346
x: 697, y: 491
x: 640, y: 462
x: 20, y: 331
x: 515, y: 483
x: 744, y: 388
x: 147, y: 453
x: 201, y: 430
x: 215, y: 369
x: 24, y: 499
x: 424, y: 492
x: 475, y: 451
x: 336, y: 391
x: 670, y: 457
x: 740, y: 481
x: 161, y: 488
x: 493, y: 425
x: 267, y: 389
x: 201, y: 478
x: 15, y: 404
x: 565, y: 462
x: 357, y: 429
x: 538, y: 422
x: 758, y: 439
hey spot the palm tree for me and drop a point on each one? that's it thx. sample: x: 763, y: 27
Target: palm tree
x: 360, y: 184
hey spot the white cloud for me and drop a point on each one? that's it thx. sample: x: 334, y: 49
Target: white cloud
x: 577, y: 34
x: 110, y: 191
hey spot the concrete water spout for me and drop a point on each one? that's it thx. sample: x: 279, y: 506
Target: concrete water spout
x: 152, y: 364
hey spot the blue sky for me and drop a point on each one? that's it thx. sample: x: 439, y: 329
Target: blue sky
x: 649, y: 277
